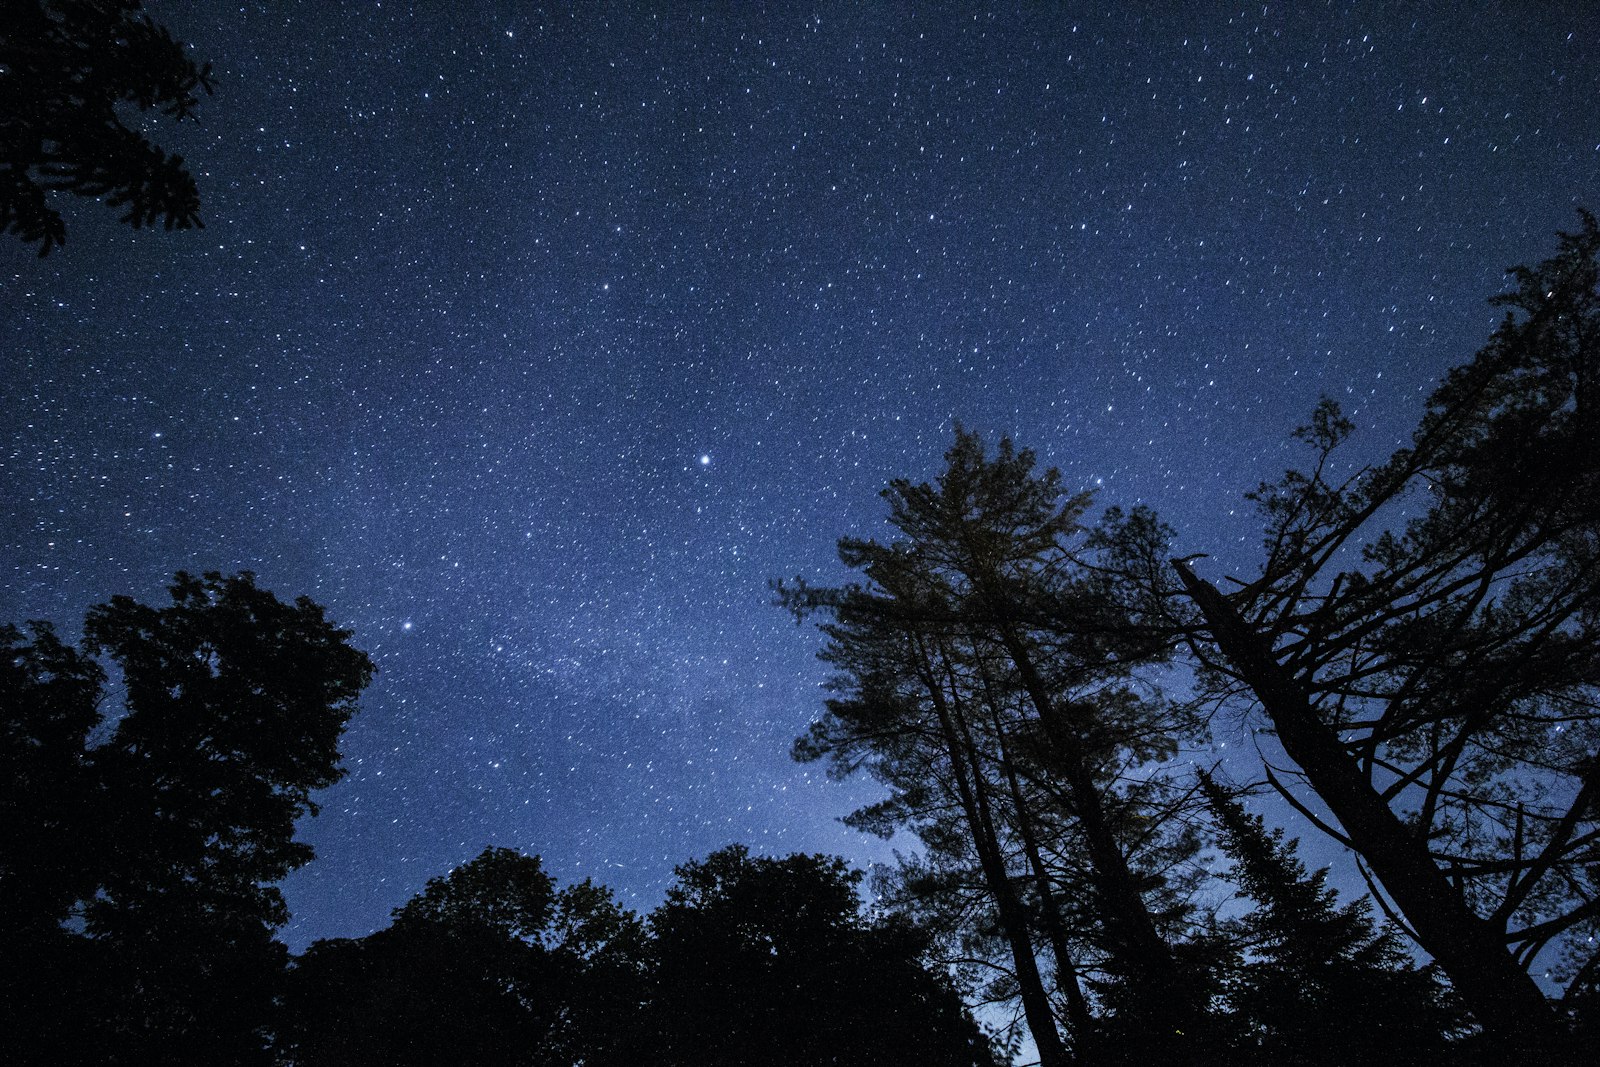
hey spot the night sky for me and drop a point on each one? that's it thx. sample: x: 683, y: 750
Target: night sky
x: 533, y: 342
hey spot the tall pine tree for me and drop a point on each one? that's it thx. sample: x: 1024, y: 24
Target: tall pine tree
x: 986, y: 678
x: 1422, y: 639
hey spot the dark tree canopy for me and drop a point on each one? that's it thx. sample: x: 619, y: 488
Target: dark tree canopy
x: 235, y: 705
x: 489, y: 964
x: 48, y: 694
x: 1316, y: 982
x: 137, y: 870
x: 69, y: 70
x: 502, y: 890
x: 757, y: 960
x: 748, y: 961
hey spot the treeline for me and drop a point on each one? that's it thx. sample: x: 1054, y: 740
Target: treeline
x: 1417, y: 650
x: 138, y: 852
x: 749, y: 960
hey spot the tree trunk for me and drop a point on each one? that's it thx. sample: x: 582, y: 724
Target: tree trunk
x: 1163, y: 991
x: 1035, y: 1002
x: 1502, y: 996
x: 1127, y: 914
x: 1055, y: 929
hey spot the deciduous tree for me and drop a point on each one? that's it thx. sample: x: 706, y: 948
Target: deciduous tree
x: 490, y: 964
x: 148, y: 917
x: 758, y: 960
x: 70, y: 70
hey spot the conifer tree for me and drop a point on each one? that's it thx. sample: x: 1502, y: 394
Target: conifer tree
x: 1319, y: 983
x: 986, y: 679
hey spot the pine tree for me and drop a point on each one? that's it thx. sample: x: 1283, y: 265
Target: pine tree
x: 1319, y: 982
x: 986, y: 678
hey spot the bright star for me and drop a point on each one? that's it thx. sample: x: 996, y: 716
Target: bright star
x: 705, y: 461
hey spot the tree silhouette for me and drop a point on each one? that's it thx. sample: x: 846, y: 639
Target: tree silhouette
x: 1438, y: 689
x: 1320, y: 985
x: 757, y: 960
x: 66, y: 67
x: 48, y: 693
x: 149, y: 918
x: 489, y: 964
x: 984, y: 675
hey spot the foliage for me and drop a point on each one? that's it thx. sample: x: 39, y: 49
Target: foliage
x: 1317, y: 982
x: 137, y: 871
x: 48, y: 692
x: 747, y: 961
x: 986, y: 674
x: 235, y: 705
x: 756, y: 960
x: 489, y: 964
x: 69, y: 71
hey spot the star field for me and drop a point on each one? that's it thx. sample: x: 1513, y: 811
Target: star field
x: 533, y: 341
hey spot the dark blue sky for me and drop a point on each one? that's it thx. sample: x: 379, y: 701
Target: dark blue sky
x: 532, y: 342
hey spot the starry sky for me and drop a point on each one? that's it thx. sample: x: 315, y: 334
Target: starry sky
x: 533, y: 340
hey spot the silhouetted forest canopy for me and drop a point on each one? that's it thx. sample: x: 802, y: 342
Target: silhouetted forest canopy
x: 1418, y: 653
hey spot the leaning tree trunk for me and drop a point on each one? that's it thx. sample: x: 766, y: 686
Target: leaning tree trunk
x: 1501, y: 995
